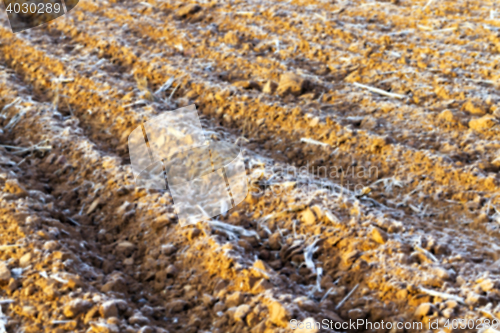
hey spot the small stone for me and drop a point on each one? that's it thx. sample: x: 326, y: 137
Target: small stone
x: 146, y: 329
x: 128, y: 261
x: 252, y: 319
x: 125, y: 248
x: 208, y: 300
x: 12, y: 186
x: 192, y: 94
x: 69, y: 326
x: 28, y: 291
x: 308, y: 97
x: 51, y: 245
x: 278, y: 314
x: 123, y: 191
x: 51, y: 291
x: 176, y: 306
x: 219, y: 307
x: 275, y: 241
x: 291, y: 83
x: 171, y: 271
x: 483, y: 123
x: 90, y: 315
x: 441, y: 249
x: 451, y: 304
x: 108, y: 309
x: 241, y: 312
x: 447, y: 313
x: 356, y: 314
x: 314, y: 122
x: 474, y: 108
x: 247, y: 84
x: 483, y: 218
x: 424, y: 309
x: 115, y: 284
x: 447, y: 116
x: 476, y: 299
x: 148, y: 311
x: 113, y: 321
x: 161, y: 222
x: 160, y: 330
x: 349, y: 257
x: 306, y: 304
x: 260, y: 327
x: 444, y: 273
x: 460, y: 280
x: 369, y: 123
x: 193, y: 233
x: 379, y: 235
x: 12, y: 286
x: 235, y: 299
x: 231, y: 38
x: 93, y: 206
x: 104, y: 328
x: 270, y: 87
x: 420, y: 257
x: 168, y: 249
x: 51, y: 158
x: 188, y: 10
x: 318, y: 211
x: 261, y: 286
x: 25, y: 260
x: 29, y: 311
x: 432, y: 280
x: 402, y: 294
x: 221, y: 96
x: 264, y: 254
x: 332, y: 316
x: 486, y: 285
x: 260, y: 268
x: 4, y: 273
x: 61, y: 160
x: 308, y: 216
x: 138, y: 319
x: 75, y: 307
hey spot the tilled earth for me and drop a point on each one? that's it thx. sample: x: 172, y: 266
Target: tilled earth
x: 370, y: 136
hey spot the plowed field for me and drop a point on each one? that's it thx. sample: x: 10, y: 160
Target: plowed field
x: 370, y: 131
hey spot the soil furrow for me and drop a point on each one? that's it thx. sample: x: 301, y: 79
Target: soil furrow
x: 382, y: 171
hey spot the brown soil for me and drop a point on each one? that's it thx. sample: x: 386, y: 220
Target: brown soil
x: 396, y: 219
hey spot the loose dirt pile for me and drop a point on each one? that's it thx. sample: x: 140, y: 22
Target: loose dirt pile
x: 370, y: 134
